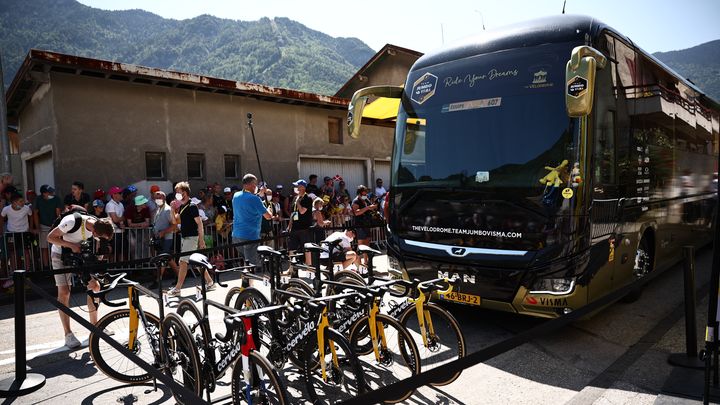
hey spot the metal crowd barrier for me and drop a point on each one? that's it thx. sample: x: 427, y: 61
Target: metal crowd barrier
x: 27, y: 251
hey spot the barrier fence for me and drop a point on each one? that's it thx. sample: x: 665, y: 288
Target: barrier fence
x: 29, y: 251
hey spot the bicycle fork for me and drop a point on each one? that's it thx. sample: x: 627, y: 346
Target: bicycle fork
x: 376, y: 327
x: 323, y: 325
x: 424, y: 319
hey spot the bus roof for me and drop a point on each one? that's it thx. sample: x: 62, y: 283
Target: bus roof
x: 545, y: 30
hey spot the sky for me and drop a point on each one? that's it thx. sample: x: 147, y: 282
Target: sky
x: 423, y: 25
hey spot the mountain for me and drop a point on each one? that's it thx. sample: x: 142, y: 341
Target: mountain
x: 700, y: 64
x: 275, y: 52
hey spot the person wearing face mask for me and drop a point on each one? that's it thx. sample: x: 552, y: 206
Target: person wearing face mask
x: 248, y: 213
x: 192, y: 237
x: 267, y: 227
x: 163, y: 228
x: 362, y: 213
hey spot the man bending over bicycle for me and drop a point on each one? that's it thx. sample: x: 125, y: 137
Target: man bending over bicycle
x: 71, y: 242
x: 343, y: 253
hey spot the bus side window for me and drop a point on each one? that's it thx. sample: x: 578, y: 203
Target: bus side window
x: 604, y: 156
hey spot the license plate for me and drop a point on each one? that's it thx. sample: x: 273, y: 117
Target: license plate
x: 462, y: 298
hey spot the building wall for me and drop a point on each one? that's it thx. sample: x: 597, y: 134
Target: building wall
x: 37, y: 129
x: 104, y: 127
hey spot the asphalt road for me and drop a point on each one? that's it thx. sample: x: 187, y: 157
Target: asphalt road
x: 618, y: 356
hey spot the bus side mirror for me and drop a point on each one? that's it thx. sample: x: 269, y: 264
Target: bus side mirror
x: 580, y: 80
x: 359, y: 100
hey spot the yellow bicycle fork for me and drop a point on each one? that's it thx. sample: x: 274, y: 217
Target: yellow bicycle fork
x: 325, y: 323
x: 134, y: 320
x: 376, y: 327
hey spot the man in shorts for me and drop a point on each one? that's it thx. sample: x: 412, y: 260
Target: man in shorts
x: 69, y: 235
x: 343, y: 253
x: 192, y: 236
x: 163, y: 228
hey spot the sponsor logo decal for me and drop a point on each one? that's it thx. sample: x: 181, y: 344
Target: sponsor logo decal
x: 540, y: 80
x: 577, y: 86
x: 424, y: 88
x: 469, y: 232
x: 547, y: 302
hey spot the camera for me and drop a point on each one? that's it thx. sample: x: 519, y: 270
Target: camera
x: 155, y: 243
x: 85, y: 257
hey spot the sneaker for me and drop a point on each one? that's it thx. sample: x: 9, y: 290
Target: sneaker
x: 211, y: 287
x: 173, y: 292
x: 71, y: 341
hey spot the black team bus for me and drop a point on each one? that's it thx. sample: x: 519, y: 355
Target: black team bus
x: 546, y: 164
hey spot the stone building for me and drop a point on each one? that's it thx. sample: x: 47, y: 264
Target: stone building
x: 109, y: 123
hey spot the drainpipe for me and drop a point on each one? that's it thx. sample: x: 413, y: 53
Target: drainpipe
x: 4, y: 140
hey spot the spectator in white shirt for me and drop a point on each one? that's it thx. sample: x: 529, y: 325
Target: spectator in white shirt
x: 116, y: 211
x: 18, y: 215
x: 379, y: 189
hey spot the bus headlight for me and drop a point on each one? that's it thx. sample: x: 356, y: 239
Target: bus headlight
x: 553, y: 286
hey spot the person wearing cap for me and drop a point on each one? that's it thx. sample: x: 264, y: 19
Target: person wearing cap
x: 192, y: 237
x: 78, y: 196
x: 227, y: 202
x: 99, y: 209
x: 301, y: 220
x: 151, y: 200
x: 46, y: 208
x: 129, y: 195
x: 164, y: 227
x: 249, y: 212
x: 138, y: 215
x: 116, y: 212
x: 99, y: 194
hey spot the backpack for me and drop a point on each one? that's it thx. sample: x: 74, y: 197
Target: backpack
x: 76, y: 211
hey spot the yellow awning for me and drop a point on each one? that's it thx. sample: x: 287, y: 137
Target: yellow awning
x: 382, y: 109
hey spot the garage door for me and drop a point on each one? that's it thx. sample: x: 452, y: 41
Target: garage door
x: 382, y: 170
x: 43, y: 173
x: 352, y: 171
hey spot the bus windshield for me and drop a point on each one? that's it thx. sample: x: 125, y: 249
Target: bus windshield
x: 489, y: 122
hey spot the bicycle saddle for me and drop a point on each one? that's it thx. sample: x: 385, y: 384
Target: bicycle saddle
x: 268, y: 251
x: 312, y: 247
x: 368, y: 250
x: 333, y: 243
x: 200, y: 260
x: 162, y: 258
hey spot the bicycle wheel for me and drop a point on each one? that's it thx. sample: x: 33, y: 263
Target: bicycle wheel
x: 113, y: 363
x: 183, y: 361
x: 260, y: 384
x: 445, y: 342
x: 231, y: 295
x: 344, y: 276
x: 192, y: 317
x: 398, y: 355
x: 344, y: 375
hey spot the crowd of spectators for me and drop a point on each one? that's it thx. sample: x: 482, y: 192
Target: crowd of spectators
x: 302, y: 211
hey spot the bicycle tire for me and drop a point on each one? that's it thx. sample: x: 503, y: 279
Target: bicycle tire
x: 186, y: 306
x: 183, y: 353
x: 349, y: 375
x: 449, y: 333
x: 350, y: 275
x: 230, y: 295
x: 399, y: 360
x: 103, y: 358
x: 263, y: 375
